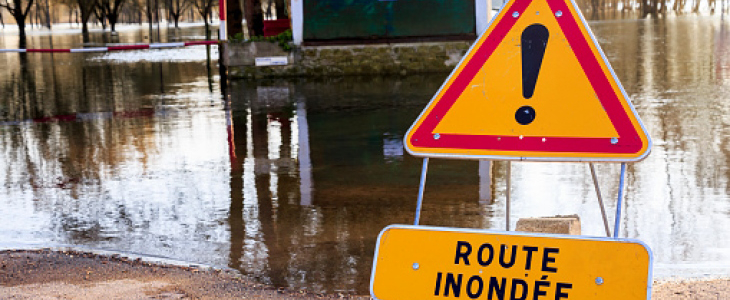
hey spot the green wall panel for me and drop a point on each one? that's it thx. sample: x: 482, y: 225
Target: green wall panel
x: 373, y: 19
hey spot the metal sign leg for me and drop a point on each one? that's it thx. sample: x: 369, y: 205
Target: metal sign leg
x: 485, y: 182
x: 421, y: 188
x: 507, y: 200
x: 618, y: 202
x: 600, y: 199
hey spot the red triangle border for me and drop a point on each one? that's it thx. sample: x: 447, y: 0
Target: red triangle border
x: 629, y: 140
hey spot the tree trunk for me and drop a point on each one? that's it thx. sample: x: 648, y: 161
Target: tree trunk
x: 48, y: 14
x: 207, y: 28
x: 34, y: 16
x: 85, y: 31
x: 254, y: 17
x: 86, y: 9
x: 149, y: 18
x: 21, y: 33
x: 234, y: 17
x: 281, y: 12
x: 20, y: 21
x: 113, y: 22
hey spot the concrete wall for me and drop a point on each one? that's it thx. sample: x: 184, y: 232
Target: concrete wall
x: 347, y: 60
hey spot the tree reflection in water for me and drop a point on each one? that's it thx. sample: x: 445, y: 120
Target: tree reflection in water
x: 290, y: 181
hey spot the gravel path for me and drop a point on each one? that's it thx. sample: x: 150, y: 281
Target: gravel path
x: 47, y: 274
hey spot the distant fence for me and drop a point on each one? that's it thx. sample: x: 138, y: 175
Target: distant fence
x: 113, y: 48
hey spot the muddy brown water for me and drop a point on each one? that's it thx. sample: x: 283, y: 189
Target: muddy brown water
x: 290, y: 181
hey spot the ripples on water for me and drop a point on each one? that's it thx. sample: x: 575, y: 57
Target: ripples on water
x: 290, y: 181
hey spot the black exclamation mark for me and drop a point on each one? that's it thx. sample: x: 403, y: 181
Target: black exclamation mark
x: 534, y: 41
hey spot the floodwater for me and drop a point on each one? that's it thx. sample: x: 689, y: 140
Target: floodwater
x: 290, y: 181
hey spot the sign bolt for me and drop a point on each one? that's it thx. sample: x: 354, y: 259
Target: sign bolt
x: 515, y: 14
x: 614, y: 141
x: 416, y: 266
x: 559, y: 13
x: 436, y: 136
x: 599, y: 280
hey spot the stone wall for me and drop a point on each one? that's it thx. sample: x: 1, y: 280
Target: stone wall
x: 400, y: 59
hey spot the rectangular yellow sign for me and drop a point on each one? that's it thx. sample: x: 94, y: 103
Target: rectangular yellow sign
x: 420, y: 262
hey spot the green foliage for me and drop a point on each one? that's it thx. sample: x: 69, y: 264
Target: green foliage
x: 283, y: 39
x: 238, y: 37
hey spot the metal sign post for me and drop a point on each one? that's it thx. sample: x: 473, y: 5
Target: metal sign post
x: 619, y: 200
x: 535, y: 86
x: 507, y: 198
x: 600, y: 199
x: 421, y: 188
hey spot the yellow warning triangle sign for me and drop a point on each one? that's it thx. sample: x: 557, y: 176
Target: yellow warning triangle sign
x: 534, y: 86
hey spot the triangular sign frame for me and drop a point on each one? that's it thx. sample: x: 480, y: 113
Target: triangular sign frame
x: 470, y: 117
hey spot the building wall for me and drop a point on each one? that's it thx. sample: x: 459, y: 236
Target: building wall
x: 482, y: 12
x: 402, y: 58
x: 327, y: 20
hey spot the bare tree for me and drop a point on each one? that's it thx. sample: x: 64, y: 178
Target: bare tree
x: 86, y: 7
x: 148, y: 12
x: 47, y: 8
x: 16, y: 9
x: 234, y: 16
x: 176, y: 8
x: 205, y: 8
x: 100, y: 15
x: 254, y: 17
x: 42, y: 13
x: 279, y: 6
x: 135, y: 9
x: 281, y: 12
x: 111, y: 10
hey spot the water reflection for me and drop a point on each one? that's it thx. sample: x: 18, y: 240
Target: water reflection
x: 677, y: 198
x: 293, y: 230
x: 290, y: 181
x: 69, y: 35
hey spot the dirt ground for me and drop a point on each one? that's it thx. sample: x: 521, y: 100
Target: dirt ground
x: 715, y: 289
x: 46, y: 274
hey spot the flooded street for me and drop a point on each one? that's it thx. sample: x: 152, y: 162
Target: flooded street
x: 290, y: 181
